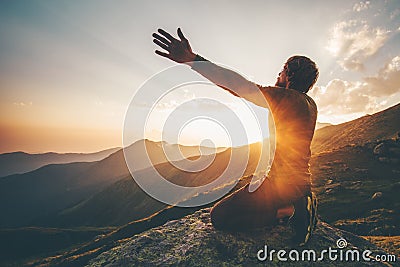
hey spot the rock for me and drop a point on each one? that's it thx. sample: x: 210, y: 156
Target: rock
x: 331, y: 187
x: 192, y: 241
x: 382, y: 222
x: 354, y: 185
x: 380, y: 149
x: 388, y: 151
x: 376, y: 195
x: 328, y: 190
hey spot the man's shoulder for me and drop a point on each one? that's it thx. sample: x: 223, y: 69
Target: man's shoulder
x: 284, y: 96
x: 281, y: 92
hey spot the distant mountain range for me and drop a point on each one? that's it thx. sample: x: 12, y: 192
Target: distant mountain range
x: 21, y: 162
x: 39, y: 194
x: 124, y: 201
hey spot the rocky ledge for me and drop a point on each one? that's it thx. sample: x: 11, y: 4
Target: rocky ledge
x: 192, y: 241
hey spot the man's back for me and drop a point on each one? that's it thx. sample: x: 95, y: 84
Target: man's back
x: 295, y: 116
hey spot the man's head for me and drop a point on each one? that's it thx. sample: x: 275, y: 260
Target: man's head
x: 299, y: 73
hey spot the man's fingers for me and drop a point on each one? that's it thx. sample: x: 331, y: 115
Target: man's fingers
x: 167, y: 35
x: 160, y: 44
x: 180, y: 34
x: 162, y: 54
x: 160, y: 38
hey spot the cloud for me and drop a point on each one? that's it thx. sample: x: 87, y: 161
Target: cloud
x: 361, y: 6
x: 394, y: 13
x: 340, y: 97
x: 353, y: 41
x: 23, y: 104
x: 387, y: 81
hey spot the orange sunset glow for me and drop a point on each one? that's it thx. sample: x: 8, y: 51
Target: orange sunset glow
x: 68, y: 71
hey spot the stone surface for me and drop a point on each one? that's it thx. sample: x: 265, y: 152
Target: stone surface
x: 192, y: 241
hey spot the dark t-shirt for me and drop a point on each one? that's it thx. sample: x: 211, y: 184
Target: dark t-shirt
x: 295, y: 115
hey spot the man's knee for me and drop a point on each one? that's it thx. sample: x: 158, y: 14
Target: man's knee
x: 217, y: 218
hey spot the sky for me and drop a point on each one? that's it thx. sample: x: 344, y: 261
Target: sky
x: 69, y: 69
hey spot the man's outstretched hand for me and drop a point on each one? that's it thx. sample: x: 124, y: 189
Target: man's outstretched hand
x: 178, y: 50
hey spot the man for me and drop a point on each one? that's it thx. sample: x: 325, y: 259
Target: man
x: 287, y: 189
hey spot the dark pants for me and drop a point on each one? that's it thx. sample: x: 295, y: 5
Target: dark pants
x: 242, y: 210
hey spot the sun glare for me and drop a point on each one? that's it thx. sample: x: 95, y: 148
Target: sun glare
x: 208, y: 114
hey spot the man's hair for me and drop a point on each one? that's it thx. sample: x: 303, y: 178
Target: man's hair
x: 301, y: 72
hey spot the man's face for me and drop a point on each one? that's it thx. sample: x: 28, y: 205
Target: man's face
x: 281, y: 81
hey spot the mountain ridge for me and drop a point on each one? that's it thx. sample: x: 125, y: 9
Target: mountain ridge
x: 384, y: 124
x: 22, y: 162
x: 68, y: 184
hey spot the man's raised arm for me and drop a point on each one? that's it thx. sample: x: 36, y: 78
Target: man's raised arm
x: 179, y: 50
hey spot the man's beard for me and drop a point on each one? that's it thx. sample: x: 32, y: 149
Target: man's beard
x: 280, y: 84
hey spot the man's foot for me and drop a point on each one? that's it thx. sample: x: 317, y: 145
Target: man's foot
x: 304, y: 218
